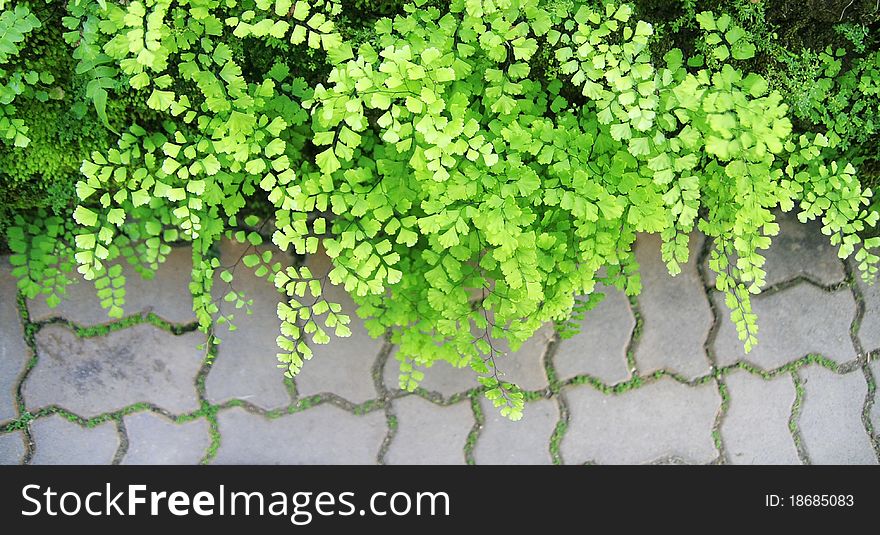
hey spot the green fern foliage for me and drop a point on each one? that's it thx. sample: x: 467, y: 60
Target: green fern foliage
x: 474, y: 170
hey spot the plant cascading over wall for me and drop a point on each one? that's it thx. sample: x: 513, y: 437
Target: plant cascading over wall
x: 473, y: 169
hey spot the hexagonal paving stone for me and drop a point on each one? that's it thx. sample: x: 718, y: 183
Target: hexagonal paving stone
x: 59, y: 441
x: 661, y: 420
x: 153, y: 439
x: 792, y: 323
x: 167, y: 295
x: 345, y: 365
x: 13, y: 350
x: 831, y: 417
x: 246, y: 366
x: 869, y: 328
x: 526, y: 441
x: 11, y: 447
x: 320, y: 435
x: 442, y: 377
x: 755, y: 428
x: 599, y: 349
x: 90, y: 376
x: 798, y: 250
x: 675, y: 311
x: 428, y: 433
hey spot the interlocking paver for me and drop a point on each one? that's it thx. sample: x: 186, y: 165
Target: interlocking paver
x: 355, y: 354
x: 11, y: 448
x: 441, y: 377
x: 869, y: 329
x: 657, y: 421
x: 166, y: 295
x: 321, y: 435
x: 246, y: 366
x: 90, y: 376
x: 13, y: 351
x: 798, y: 250
x: 153, y: 439
x: 59, y: 441
x: 526, y: 441
x: 831, y: 417
x: 793, y: 323
x: 428, y: 433
x: 525, y: 366
x: 675, y: 311
x: 755, y: 428
x: 599, y: 349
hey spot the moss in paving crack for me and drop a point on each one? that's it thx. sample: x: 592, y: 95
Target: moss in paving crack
x: 30, y: 332
x: 369, y: 406
x: 636, y: 335
x: 873, y: 436
x: 474, y: 433
x: 94, y: 331
x: 391, y: 424
x: 560, y: 430
x: 719, y: 418
x: 795, y: 416
x: 210, y: 413
x: 122, y: 433
x: 305, y: 403
x: 19, y: 424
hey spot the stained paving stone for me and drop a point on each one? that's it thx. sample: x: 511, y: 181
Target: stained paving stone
x: 676, y: 313
x: 355, y: 354
x: 12, y: 448
x: 875, y: 410
x: 662, y: 420
x: 246, y: 366
x: 59, y: 441
x: 321, y: 435
x: 90, y: 376
x: 800, y: 249
x: 428, y: 433
x: 13, y: 350
x: 526, y: 441
x: 869, y: 328
x: 153, y: 439
x: 793, y: 323
x: 599, y: 349
x: 442, y: 377
x: 167, y: 295
x: 755, y: 428
x: 831, y: 417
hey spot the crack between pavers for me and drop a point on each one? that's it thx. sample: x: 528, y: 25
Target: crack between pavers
x: 866, y: 359
x: 555, y: 391
x: 103, y: 329
x: 473, y: 436
x: 634, y: 336
x: 21, y: 411
x: 709, y: 351
x: 794, y: 418
x: 122, y: 433
x: 391, y: 422
x: 559, y: 431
